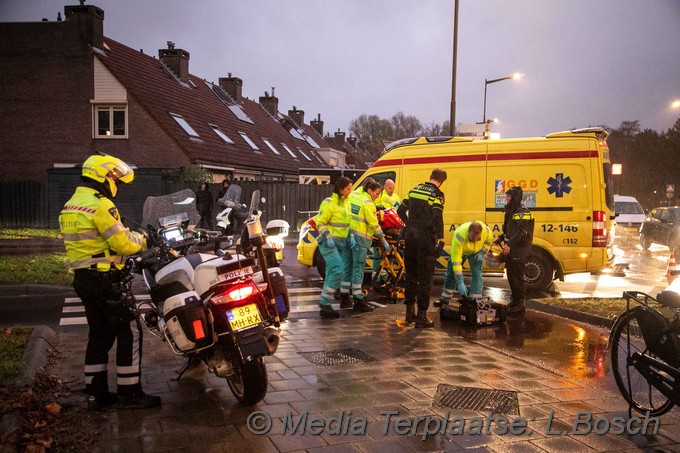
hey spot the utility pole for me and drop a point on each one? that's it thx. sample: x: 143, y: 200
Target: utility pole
x: 452, y: 118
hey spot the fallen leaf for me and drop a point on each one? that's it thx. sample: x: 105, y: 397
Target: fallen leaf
x: 53, y: 408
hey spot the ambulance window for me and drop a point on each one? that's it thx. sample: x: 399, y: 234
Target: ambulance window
x: 609, y: 185
x: 382, y: 177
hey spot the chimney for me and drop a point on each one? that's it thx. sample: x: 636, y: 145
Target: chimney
x: 177, y: 60
x: 270, y: 103
x: 317, y: 124
x: 340, y: 138
x: 89, y: 21
x: 297, y: 115
x: 233, y: 86
x: 352, y: 141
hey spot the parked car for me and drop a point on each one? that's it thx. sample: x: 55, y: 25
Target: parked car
x: 308, y: 250
x: 629, y: 215
x: 662, y: 227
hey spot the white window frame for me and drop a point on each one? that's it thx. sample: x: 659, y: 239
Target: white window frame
x: 221, y: 134
x: 266, y: 142
x: 96, y: 108
x: 303, y: 154
x: 249, y: 141
x: 184, y: 124
x: 289, y: 150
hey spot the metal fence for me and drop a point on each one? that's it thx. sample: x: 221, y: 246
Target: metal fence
x: 29, y: 204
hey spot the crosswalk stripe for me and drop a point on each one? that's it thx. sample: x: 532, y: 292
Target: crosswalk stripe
x: 302, y: 300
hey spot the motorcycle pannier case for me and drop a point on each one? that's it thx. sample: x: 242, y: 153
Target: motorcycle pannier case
x: 188, y: 321
x: 477, y: 311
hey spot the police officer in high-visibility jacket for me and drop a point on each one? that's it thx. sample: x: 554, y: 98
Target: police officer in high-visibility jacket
x: 363, y: 226
x: 96, y: 244
x: 335, y: 247
x: 470, y: 242
x: 517, y: 238
x: 421, y: 210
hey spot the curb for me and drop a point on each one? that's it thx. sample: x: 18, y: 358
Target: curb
x: 33, y: 289
x: 570, y: 314
x: 35, y: 354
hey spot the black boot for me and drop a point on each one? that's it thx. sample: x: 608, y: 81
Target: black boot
x: 422, y: 322
x: 517, y: 306
x: 101, y: 401
x: 345, y: 301
x: 138, y: 400
x: 362, y: 306
x: 410, y: 313
x: 327, y: 312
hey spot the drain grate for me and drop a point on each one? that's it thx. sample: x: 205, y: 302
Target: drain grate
x: 337, y: 357
x: 482, y: 400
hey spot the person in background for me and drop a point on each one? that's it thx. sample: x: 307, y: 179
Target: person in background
x: 334, y: 245
x: 204, y: 205
x: 470, y: 242
x: 518, y: 235
x: 96, y: 243
x: 225, y: 185
x: 363, y: 227
x: 421, y: 210
x: 386, y: 200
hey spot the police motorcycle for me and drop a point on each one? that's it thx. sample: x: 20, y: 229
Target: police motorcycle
x: 231, y: 219
x: 222, y: 308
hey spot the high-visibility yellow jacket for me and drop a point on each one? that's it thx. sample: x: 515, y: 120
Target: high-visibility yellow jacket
x: 462, y: 246
x: 333, y: 217
x: 388, y: 201
x: 363, y: 222
x: 94, y: 236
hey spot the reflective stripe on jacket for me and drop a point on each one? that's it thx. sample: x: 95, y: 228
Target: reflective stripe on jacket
x: 462, y: 246
x: 425, y: 206
x: 363, y: 221
x: 93, y: 234
x: 388, y: 201
x: 333, y: 217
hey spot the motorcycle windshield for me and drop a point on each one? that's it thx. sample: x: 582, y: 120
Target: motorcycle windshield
x: 232, y: 197
x: 179, y: 204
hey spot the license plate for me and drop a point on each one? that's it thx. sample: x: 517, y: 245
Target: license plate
x: 242, y: 317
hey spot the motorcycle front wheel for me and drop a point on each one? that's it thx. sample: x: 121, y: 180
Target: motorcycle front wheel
x: 249, y: 381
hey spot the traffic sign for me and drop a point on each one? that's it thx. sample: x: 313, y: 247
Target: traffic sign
x: 670, y: 188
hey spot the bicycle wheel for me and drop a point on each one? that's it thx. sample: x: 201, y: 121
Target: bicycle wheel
x: 630, y: 335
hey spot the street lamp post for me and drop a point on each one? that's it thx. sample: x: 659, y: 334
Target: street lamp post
x: 488, y: 82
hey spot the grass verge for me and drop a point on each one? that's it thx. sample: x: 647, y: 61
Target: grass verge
x: 29, y: 233
x: 12, y: 345
x: 45, y: 269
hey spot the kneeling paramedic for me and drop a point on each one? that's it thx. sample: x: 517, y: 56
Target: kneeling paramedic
x: 471, y: 241
x: 96, y: 242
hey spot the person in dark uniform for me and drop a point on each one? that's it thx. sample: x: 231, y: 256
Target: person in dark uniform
x: 204, y: 205
x: 421, y: 210
x: 96, y: 244
x: 518, y: 235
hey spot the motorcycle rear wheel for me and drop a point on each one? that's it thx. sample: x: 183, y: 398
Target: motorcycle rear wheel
x: 249, y: 381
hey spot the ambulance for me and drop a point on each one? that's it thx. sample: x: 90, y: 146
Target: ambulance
x: 566, y: 178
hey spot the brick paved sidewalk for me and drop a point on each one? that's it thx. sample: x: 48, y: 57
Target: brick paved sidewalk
x: 404, y: 371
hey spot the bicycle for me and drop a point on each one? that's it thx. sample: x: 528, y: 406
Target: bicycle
x: 645, y: 352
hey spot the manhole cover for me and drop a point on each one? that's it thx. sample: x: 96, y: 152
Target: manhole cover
x: 482, y: 400
x: 337, y: 357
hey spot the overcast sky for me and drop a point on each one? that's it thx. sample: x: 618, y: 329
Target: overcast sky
x: 585, y: 62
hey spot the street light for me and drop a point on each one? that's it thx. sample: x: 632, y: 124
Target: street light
x: 675, y: 104
x: 488, y: 82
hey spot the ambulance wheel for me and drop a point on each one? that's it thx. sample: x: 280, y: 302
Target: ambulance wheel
x: 249, y: 381
x: 539, y: 271
x: 320, y: 263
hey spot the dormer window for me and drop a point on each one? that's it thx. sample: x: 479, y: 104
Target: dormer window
x: 110, y: 121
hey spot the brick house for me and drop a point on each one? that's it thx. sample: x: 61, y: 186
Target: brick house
x: 68, y: 90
